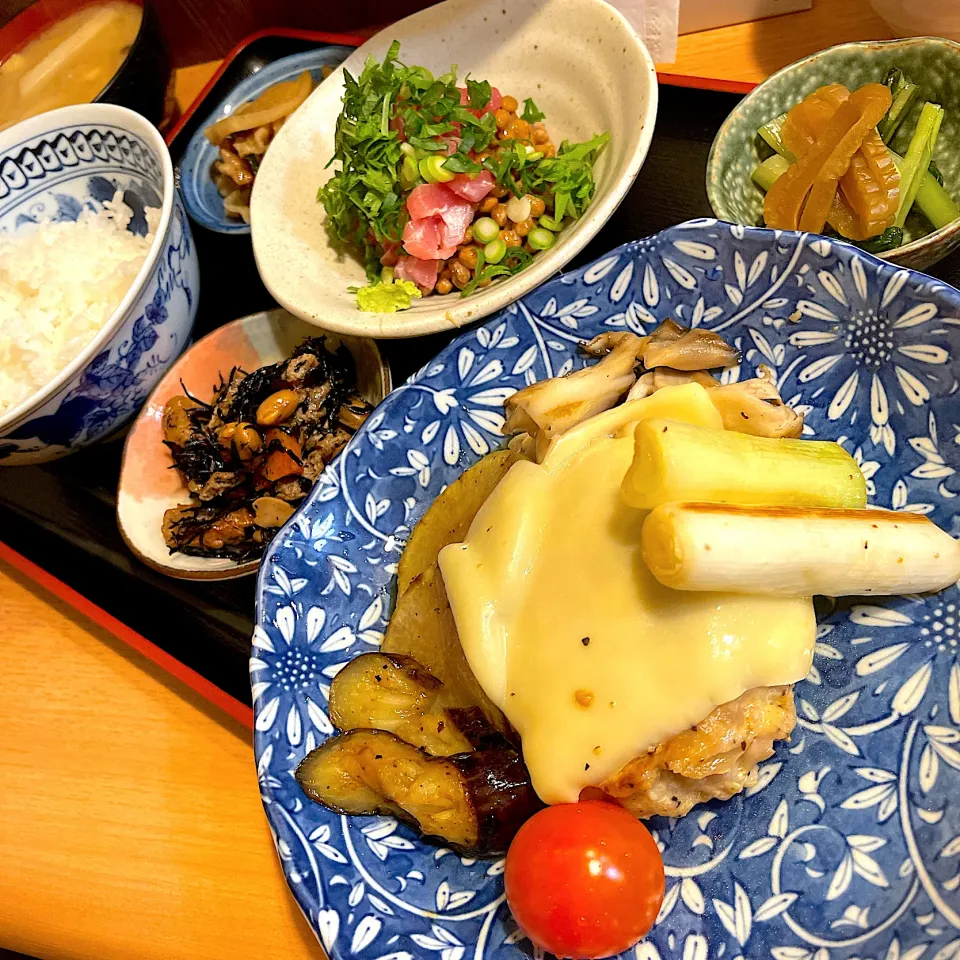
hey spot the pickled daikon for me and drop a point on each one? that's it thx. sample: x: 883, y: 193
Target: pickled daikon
x: 843, y: 172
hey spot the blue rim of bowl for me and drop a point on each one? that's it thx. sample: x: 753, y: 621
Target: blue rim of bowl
x: 719, y: 209
x: 200, y: 195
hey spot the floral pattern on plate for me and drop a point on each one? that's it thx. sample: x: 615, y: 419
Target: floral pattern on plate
x: 848, y: 847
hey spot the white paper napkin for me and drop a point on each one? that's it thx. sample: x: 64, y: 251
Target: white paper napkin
x: 656, y: 22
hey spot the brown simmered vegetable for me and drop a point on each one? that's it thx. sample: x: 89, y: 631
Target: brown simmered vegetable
x: 283, y: 455
x: 422, y: 627
x: 473, y: 802
x: 382, y: 691
x: 255, y: 450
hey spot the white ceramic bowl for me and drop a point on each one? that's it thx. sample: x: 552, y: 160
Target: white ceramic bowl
x: 921, y: 18
x: 579, y: 59
x: 149, y: 485
x: 51, y: 167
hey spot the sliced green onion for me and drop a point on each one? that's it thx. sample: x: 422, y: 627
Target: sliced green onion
x: 386, y: 275
x: 409, y: 173
x: 540, y: 239
x: 495, y: 251
x: 485, y: 230
x: 548, y: 223
x: 431, y: 169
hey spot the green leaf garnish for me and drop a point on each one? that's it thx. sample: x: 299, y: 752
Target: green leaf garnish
x: 531, y: 113
x: 569, y: 175
x: 479, y: 93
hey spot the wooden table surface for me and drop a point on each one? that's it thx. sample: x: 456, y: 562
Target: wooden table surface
x: 130, y: 820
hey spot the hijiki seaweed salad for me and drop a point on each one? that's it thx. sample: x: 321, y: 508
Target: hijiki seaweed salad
x: 443, y: 186
x: 251, y: 455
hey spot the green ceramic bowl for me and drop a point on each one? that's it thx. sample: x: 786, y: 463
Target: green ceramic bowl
x: 931, y: 62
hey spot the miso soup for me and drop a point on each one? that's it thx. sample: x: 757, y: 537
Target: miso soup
x: 70, y: 62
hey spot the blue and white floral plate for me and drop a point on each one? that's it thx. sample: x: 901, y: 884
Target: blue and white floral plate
x: 849, y: 846
x: 200, y: 194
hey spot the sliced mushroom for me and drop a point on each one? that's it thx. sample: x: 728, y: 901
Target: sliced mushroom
x: 694, y: 349
x: 549, y: 408
x: 668, y: 332
x: 755, y: 407
x: 662, y: 377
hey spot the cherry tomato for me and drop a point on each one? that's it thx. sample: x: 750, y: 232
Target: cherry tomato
x: 584, y: 880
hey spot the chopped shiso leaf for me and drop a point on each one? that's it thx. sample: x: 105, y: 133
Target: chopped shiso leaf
x: 904, y: 93
x: 387, y: 297
x: 478, y: 93
x: 531, y: 113
x: 570, y: 175
x: 515, y: 259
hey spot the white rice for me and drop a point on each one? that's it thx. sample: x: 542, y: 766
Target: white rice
x: 59, y: 284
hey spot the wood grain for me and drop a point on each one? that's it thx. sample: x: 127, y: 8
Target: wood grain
x: 751, y: 52
x: 745, y: 52
x: 129, y: 806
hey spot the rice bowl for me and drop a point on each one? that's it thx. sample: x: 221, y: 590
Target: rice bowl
x: 57, y: 166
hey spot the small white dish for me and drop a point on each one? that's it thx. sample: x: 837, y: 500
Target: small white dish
x: 149, y: 485
x: 579, y: 59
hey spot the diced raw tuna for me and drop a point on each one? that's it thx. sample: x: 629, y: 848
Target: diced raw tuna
x: 421, y: 272
x: 425, y: 239
x: 435, y: 199
x: 472, y: 188
x: 456, y: 218
x: 429, y: 198
x: 494, y: 104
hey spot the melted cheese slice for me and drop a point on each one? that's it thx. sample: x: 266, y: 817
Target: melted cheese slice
x: 591, y: 658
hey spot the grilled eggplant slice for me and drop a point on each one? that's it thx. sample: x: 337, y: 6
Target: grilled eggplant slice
x: 384, y: 691
x: 422, y: 627
x: 451, y: 514
x: 472, y: 802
